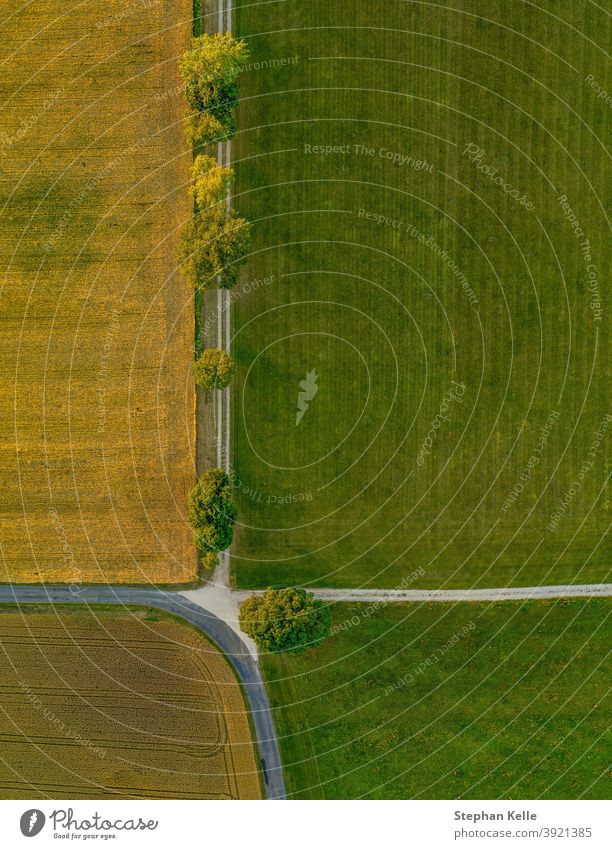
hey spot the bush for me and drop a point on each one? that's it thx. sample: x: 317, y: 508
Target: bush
x: 213, y: 247
x: 212, y: 512
x: 290, y: 620
x: 209, y: 561
x: 210, y: 70
x: 209, y: 181
x: 213, y: 369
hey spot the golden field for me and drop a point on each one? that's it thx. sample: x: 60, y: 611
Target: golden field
x: 96, y: 326
x: 129, y: 704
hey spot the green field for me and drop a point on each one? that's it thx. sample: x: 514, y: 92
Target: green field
x: 504, y: 701
x: 400, y: 269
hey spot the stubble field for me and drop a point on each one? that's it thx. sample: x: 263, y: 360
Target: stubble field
x: 96, y: 326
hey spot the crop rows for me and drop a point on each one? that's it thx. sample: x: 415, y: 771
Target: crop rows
x: 118, y: 705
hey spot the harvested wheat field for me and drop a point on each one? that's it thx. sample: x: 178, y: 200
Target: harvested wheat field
x: 131, y: 704
x: 96, y: 326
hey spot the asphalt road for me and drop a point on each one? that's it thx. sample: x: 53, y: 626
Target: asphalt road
x: 214, y: 628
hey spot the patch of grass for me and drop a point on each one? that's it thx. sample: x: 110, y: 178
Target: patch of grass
x: 199, y: 342
x: 511, y: 702
x: 367, y: 242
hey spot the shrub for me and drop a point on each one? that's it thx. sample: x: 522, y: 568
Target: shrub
x: 210, y: 71
x: 290, y: 620
x: 212, y: 512
x: 209, y: 560
x: 213, y: 247
x: 210, y: 181
x: 213, y: 369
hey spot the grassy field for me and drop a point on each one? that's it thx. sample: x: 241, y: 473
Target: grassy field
x: 405, y: 165
x: 131, y: 704
x: 503, y: 701
x: 96, y: 326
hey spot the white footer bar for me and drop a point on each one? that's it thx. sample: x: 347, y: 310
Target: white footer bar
x: 299, y: 826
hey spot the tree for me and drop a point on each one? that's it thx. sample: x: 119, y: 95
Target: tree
x: 213, y: 246
x: 212, y: 512
x: 210, y: 70
x: 202, y: 128
x: 213, y: 369
x: 209, y: 181
x: 290, y: 620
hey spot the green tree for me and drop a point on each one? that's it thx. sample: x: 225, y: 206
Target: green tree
x: 210, y: 71
x: 290, y: 620
x: 212, y: 512
x: 209, y: 181
x: 213, y: 369
x: 213, y: 246
x: 202, y: 128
